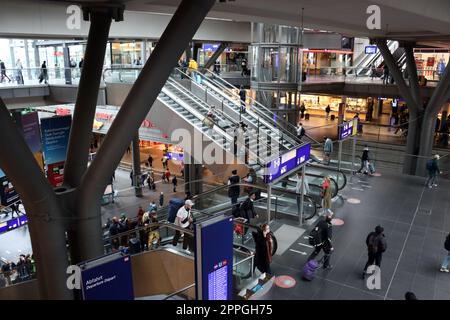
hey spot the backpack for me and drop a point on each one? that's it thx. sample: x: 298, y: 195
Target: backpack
x: 174, y: 205
x: 447, y: 243
x: 371, y: 242
x: 430, y: 165
x: 315, y: 237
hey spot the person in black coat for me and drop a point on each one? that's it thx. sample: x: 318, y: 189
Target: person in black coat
x: 263, y: 249
x: 234, y: 191
x: 364, y: 158
x: 326, y: 232
x: 248, y: 209
x: 376, y: 245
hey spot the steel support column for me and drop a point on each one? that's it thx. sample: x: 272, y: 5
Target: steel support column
x: 42, y: 206
x: 86, y: 103
x: 413, y: 107
x: 136, y: 106
x: 439, y: 97
x: 215, y: 55
x: 136, y: 155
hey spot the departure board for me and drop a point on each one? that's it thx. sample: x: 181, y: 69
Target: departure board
x: 217, y: 283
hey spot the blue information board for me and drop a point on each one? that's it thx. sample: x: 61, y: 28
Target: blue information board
x: 287, y: 162
x: 108, y: 278
x: 371, y: 49
x: 214, y: 259
x: 348, y: 128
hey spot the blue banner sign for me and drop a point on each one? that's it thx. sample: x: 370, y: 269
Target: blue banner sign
x: 348, y: 128
x: 214, y: 259
x: 287, y: 162
x: 108, y: 278
x: 371, y: 49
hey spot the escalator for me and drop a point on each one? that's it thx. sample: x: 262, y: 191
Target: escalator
x: 257, y: 111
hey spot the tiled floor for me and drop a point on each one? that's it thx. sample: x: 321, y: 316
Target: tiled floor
x: 415, y: 244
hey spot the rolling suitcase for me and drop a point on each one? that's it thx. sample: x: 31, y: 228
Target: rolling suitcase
x: 309, y: 270
x: 332, y: 117
x: 306, y: 116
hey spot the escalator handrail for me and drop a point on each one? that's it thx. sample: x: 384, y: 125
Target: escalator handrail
x: 331, y: 169
x: 185, y: 92
x: 267, y: 121
x: 264, y: 108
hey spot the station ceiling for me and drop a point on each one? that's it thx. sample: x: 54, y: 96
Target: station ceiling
x: 425, y: 22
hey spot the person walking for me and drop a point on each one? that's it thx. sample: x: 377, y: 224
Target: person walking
x: 44, y: 74
x: 175, y: 183
x: 365, y: 160
x: 243, y: 97
x: 433, y: 170
x: 132, y: 177
x: 19, y: 75
x: 244, y: 69
x: 302, y: 110
x: 327, y: 149
x: 300, y: 131
x: 385, y: 74
x: 161, y: 199
x: 444, y: 266
x: 167, y: 175
x: 324, y: 229
x: 184, y: 220
x: 150, y: 160
x: 248, y: 209
x: 376, y: 245
x: 3, y: 72
x: 373, y: 71
x: 263, y: 249
x: 327, y: 111
x: 326, y: 196
x: 233, y: 191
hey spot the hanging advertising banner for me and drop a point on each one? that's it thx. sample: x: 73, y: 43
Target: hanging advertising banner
x: 8, y: 193
x: 29, y: 125
x: 214, y: 259
x: 108, y: 278
x: 55, y: 137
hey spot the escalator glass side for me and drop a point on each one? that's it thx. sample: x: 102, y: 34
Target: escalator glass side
x: 321, y: 170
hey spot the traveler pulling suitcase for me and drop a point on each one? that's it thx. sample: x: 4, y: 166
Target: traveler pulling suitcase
x: 174, y: 205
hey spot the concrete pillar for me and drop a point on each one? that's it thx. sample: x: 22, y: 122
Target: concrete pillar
x: 67, y: 70
x: 37, y: 60
x: 11, y: 53
x: 27, y: 59
x: 144, y: 51
x: 136, y: 160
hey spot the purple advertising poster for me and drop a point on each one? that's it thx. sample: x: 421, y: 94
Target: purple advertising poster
x: 31, y: 131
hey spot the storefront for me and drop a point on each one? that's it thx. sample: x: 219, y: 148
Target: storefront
x: 326, y: 62
x: 230, y: 60
x: 431, y: 62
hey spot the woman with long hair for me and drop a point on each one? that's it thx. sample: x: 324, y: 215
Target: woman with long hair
x: 263, y: 249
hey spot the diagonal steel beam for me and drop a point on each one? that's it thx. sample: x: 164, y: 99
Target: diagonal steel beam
x: 394, y: 70
x: 215, y: 55
x: 88, y: 87
x: 412, y: 72
x: 42, y: 208
x: 136, y: 106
